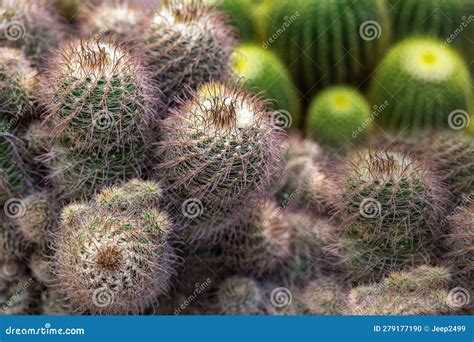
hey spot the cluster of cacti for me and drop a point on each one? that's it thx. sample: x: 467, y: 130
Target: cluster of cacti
x: 146, y: 168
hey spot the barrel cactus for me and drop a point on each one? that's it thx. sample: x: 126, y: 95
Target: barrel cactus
x: 220, y: 151
x: 240, y: 296
x: 99, y: 101
x: 321, y: 297
x: 187, y: 44
x: 113, y: 254
x: 30, y: 25
x: 326, y: 42
x: 425, y: 83
x: 336, y: 114
x: 265, y: 72
x: 390, y: 205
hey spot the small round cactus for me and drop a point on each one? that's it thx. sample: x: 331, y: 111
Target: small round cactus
x: 240, y: 296
x: 17, y: 84
x: 336, y: 114
x: 265, y: 72
x: 424, y: 82
x: 30, y: 25
x: 390, y: 205
x: 113, y: 255
x: 187, y: 44
x: 321, y: 297
x: 418, y: 292
x: 219, y: 151
x: 327, y: 42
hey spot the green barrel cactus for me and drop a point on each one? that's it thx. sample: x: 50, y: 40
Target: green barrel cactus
x: 187, y: 44
x: 219, y: 152
x: 390, y: 205
x: 31, y: 26
x: 338, y: 114
x: 422, y: 291
x: 327, y: 42
x: 240, y: 296
x: 425, y: 84
x: 100, y: 105
x: 113, y: 254
x: 265, y: 72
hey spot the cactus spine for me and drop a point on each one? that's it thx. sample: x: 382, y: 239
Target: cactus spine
x: 240, y: 296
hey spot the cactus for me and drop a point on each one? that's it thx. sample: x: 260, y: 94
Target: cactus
x: 418, y: 292
x: 113, y: 255
x: 40, y: 266
x: 444, y: 19
x: 390, y: 205
x: 336, y: 114
x: 30, y: 25
x: 460, y: 241
x: 342, y: 40
x: 424, y: 82
x: 218, y: 153
x: 15, y: 290
x: 265, y: 72
x: 187, y: 44
x: 17, y: 84
x: 99, y: 100
x: 240, y: 296
x: 118, y: 19
x: 53, y: 304
x: 321, y: 297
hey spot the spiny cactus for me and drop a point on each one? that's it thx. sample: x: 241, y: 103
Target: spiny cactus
x: 54, y: 304
x: 321, y: 297
x: 460, y: 241
x: 119, y: 19
x: 220, y: 150
x: 40, y: 266
x: 346, y: 50
x: 419, y: 292
x: 390, y: 205
x: 240, y: 296
x: 187, y: 44
x: 17, y: 83
x: 113, y: 255
x: 265, y: 72
x: 336, y: 114
x: 424, y: 82
x: 445, y: 19
x: 30, y: 25
x: 99, y: 101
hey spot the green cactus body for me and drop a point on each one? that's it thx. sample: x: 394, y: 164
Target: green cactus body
x: 421, y: 291
x: 336, y: 116
x: 113, y: 255
x: 31, y: 26
x: 326, y: 42
x: 424, y: 82
x: 219, y: 152
x: 321, y: 297
x: 17, y: 82
x: 187, y: 45
x: 100, y: 105
x: 390, y: 205
x: 240, y: 296
x: 265, y: 72
x: 449, y: 20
